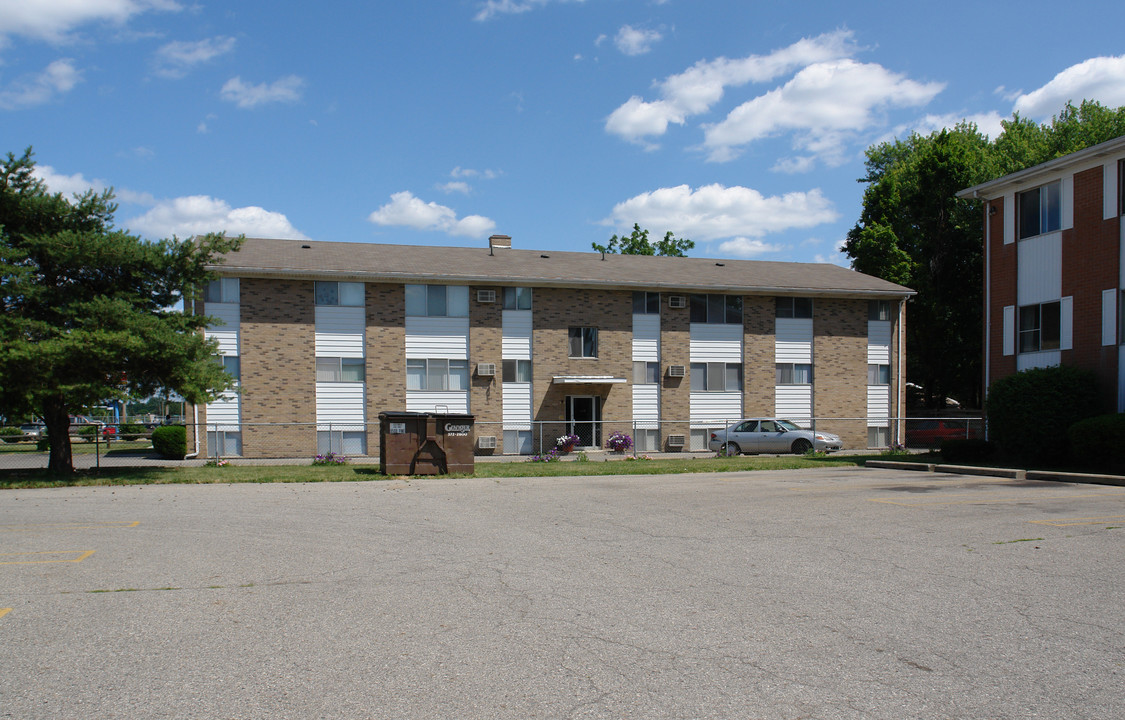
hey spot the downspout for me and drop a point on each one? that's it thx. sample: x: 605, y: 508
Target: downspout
x: 900, y: 437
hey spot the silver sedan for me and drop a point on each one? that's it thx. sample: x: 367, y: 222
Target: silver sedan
x: 771, y: 435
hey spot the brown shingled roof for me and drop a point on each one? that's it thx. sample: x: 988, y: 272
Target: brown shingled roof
x: 373, y: 262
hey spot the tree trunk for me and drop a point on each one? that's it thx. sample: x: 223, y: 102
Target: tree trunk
x: 57, y: 420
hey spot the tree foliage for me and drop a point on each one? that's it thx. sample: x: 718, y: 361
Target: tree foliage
x: 87, y: 311
x: 637, y: 243
x: 914, y: 231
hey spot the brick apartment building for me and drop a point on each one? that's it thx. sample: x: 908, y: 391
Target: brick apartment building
x: 1053, y: 267
x: 324, y: 336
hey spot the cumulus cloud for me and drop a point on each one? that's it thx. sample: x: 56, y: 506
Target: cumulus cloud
x: 405, y: 210
x: 457, y: 186
x: 1100, y: 78
x: 77, y: 184
x: 633, y: 41
x: 176, y: 59
x: 200, y: 214
x: 738, y: 214
x: 491, y: 8
x: 698, y: 88
x: 30, y: 90
x: 246, y: 95
x: 825, y: 104
x: 52, y: 20
x: 747, y: 247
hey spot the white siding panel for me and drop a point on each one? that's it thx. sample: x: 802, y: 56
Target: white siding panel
x: 228, y: 340
x: 224, y: 413
x: 349, y: 345
x: 1040, y: 269
x: 1009, y: 218
x: 517, y: 406
x: 713, y: 410
x: 1026, y: 361
x: 1109, y: 317
x: 1109, y: 190
x: 716, y: 343
x: 1066, y: 202
x: 646, y: 406
x: 228, y: 313
x: 1066, y: 323
x: 1010, y: 330
x: 878, y: 405
x: 438, y: 337
x: 793, y: 340
x: 455, y: 401
x: 516, y: 335
x: 345, y: 320
x: 341, y: 404
x: 879, y: 342
x: 794, y: 402
x: 646, y: 338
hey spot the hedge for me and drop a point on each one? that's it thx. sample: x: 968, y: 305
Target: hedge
x: 1029, y: 412
x: 1099, y: 441
x: 170, y: 441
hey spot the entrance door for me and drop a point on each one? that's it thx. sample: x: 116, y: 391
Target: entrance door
x: 584, y: 419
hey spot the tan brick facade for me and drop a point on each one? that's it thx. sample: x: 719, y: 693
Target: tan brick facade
x: 758, y: 354
x: 840, y: 367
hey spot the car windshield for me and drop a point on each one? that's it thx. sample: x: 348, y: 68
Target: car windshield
x: 787, y: 425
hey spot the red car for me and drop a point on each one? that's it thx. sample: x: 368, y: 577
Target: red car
x: 931, y: 433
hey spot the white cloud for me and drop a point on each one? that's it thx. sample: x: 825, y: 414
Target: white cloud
x: 51, y: 20
x: 632, y: 41
x: 988, y: 123
x: 794, y: 165
x: 491, y: 8
x: 57, y: 78
x: 747, y: 247
x: 287, y: 89
x: 825, y: 104
x: 176, y: 59
x: 460, y: 172
x: 405, y: 210
x: 1100, y: 78
x: 77, y: 184
x: 717, y: 212
x: 698, y: 88
x: 200, y: 214
x: 456, y: 186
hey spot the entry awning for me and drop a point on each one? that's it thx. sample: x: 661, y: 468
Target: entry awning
x: 588, y: 380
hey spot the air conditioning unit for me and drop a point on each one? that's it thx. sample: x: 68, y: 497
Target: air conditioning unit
x: 677, y: 371
x: 486, y: 296
x: 486, y: 369
x: 676, y: 441
x: 677, y: 301
x: 486, y: 442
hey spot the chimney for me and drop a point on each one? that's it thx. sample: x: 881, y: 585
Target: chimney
x: 499, y: 241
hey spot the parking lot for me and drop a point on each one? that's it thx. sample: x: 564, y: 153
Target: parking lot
x: 836, y: 593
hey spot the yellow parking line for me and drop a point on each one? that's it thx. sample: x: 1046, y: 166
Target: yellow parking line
x: 71, y: 526
x: 979, y: 499
x: 1080, y: 521
x: 5, y: 611
x: 82, y: 555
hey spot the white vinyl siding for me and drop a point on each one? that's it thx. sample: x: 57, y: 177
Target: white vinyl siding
x: 793, y: 340
x: 1009, y: 218
x: 794, y: 402
x: 646, y: 338
x: 1109, y: 190
x: 516, y: 335
x: 646, y: 406
x: 1027, y: 361
x: 1039, y: 269
x: 227, y: 332
x: 878, y: 404
x: 715, y: 409
x: 340, y: 403
x: 517, y: 406
x: 1109, y: 317
x: 339, y: 331
x: 878, y: 342
x: 716, y: 343
x: 453, y: 401
x: 224, y: 413
x: 437, y: 337
x: 1066, y: 323
x: 1066, y: 203
x: 1010, y: 330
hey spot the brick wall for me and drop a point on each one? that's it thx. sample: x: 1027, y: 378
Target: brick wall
x: 840, y: 367
x: 675, y: 392
x: 759, y: 355
x: 1002, y: 269
x: 385, y: 337
x: 486, y: 332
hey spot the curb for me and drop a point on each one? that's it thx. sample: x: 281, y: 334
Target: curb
x: 1012, y: 473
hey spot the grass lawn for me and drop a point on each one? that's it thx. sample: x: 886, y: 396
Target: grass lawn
x: 10, y: 479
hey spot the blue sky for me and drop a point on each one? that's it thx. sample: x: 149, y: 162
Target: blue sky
x: 740, y: 125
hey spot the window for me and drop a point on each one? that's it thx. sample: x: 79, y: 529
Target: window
x: 232, y: 365
x: 341, y: 442
x: 1039, y: 210
x: 348, y: 294
x: 518, y: 442
x: 223, y: 290
x: 222, y: 443
x: 331, y: 369
x: 716, y: 377
x: 794, y: 374
x: 437, y: 300
x: 794, y: 307
x: 646, y: 373
x: 716, y: 309
x: 517, y: 298
x: 878, y: 374
x: 877, y: 437
x: 647, y: 440
x: 437, y: 374
x: 516, y: 371
x: 878, y: 310
x: 583, y: 342
x: 1040, y: 327
x: 646, y: 303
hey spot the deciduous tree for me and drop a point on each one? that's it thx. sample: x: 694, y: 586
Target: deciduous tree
x: 637, y: 243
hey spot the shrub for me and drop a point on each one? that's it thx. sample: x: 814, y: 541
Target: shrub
x: 1099, y: 441
x: 130, y: 431
x: 170, y: 441
x: 11, y: 434
x: 1030, y: 412
x: 88, y: 433
x: 966, y: 450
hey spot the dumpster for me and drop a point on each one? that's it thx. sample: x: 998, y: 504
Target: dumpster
x: 413, y: 443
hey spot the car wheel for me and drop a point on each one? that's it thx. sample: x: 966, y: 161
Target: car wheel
x: 731, y: 449
x: 801, y: 446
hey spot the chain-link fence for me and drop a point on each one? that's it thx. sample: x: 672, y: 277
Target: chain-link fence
x: 130, y: 444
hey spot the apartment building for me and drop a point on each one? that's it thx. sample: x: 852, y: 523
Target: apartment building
x: 1054, y: 275
x: 323, y: 336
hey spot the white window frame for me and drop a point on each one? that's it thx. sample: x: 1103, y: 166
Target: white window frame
x: 437, y: 300
x: 878, y: 374
x: 221, y: 290
x: 330, y: 293
x: 1025, y: 335
x: 784, y: 373
x: 1049, y: 213
x: 437, y: 374
x: 515, y: 371
x: 793, y: 307
x: 646, y: 303
x: 715, y: 377
x: 646, y: 372
x: 331, y: 369
x: 517, y: 298
x: 716, y: 309
x: 586, y: 339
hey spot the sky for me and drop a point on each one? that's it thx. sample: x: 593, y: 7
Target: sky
x: 739, y: 125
